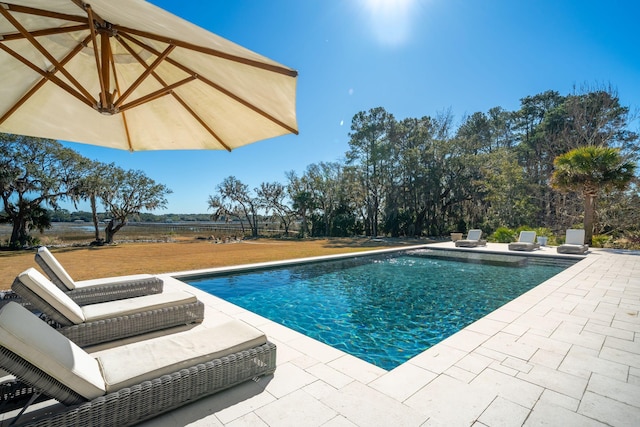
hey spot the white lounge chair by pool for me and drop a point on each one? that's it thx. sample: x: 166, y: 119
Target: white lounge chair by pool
x: 124, y: 385
x: 526, y: 242
x: 96, y: 290
x: 574, y: 243
x: 97, y: 323
x: 473, y: 239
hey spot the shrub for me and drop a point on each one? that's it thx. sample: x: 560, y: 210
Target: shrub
x: 503, y: 235
x: 517, y: 231
x: 600, y: 241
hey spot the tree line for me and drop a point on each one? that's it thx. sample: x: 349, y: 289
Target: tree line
x: 427, y: 176
x: 37, y: 174
x: 555, y: 162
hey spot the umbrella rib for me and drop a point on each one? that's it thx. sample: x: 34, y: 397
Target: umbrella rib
x: 213, y: 85
x: 144, y: 75
x: 202, y: 122
x: 22, y: 100
x: 49, y: 76
x: 168, y: 89
x: 45, y: 13
x: 45, y: 32
x: 40, y: 83
x: 44, y: 52
x: 157, y: 94
x: 248, y: 104
x: 209, y: 51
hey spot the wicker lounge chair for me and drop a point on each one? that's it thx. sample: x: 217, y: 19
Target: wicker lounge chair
x: 473, y: 240
x: 96, y: 290
x: 6, y: 296
x: 125, y: 385
x: 574, y: 243
x: 89, y: 291
x: 526, y: 242
x: 97, y: 323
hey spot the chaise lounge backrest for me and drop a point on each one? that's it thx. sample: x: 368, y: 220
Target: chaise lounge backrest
x: 474, y: 234
x: 52, y: 356
x: 97, y: 290
x: 575, y: 237
x: 527, y: 237
x: 48, y: 298
x: 54, y: 269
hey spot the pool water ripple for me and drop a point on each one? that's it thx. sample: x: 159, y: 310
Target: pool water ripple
x: 383, y: 309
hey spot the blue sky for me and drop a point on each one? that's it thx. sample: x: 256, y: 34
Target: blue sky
x: 415, y: 58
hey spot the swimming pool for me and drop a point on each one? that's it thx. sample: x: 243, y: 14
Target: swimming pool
x: 384, y: 309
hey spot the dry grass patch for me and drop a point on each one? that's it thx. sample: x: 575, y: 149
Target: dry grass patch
x: 133, y: 258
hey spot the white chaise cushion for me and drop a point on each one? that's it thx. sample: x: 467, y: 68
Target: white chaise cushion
x: 575, y: 237
x: 64, y: 277
x: 125, y: 307
x: 474, y: 234
x: 56, y: 267
x: 145, y: 360
x: 32, y: 339
x: 527, y: 237
x: 50, y: 293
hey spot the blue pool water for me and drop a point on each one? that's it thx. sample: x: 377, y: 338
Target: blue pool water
x: 382, y: 309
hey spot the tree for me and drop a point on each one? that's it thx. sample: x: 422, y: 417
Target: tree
x: 127, y: 195
x: 95, y: 180
x: 273, y: 197
x: 595, y: 116
x: 370, y: 150
x: 324, y: 180
x: 538, y: 122
x: 234, y: 198
x: 302, y: 200
x: 507, y: 200
x: 34, y: 173
x: 412, y: 154
x: 591, y: 169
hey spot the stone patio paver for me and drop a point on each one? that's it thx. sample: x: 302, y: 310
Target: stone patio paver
x: 566, y: 353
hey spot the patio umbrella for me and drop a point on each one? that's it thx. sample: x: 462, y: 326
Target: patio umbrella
x: 127, y: 74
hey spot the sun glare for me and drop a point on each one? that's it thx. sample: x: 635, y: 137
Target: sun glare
x: 390, y: 20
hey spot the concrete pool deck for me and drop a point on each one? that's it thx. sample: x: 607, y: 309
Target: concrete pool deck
x: 565, y: 353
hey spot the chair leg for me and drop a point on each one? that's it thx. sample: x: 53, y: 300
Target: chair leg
x: 34, y: 396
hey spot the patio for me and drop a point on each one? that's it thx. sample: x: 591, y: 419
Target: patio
x: 565, y: 353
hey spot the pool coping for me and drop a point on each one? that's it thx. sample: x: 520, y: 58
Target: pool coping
x: 554, y: 355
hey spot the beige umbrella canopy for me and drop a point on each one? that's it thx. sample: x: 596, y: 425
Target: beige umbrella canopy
x: 126, y: 74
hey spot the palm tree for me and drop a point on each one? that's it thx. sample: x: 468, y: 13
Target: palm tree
x: 590, y: 169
